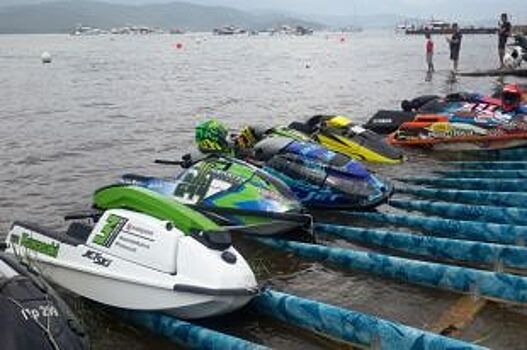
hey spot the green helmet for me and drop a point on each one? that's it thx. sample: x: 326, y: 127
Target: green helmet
x: 211, y: 137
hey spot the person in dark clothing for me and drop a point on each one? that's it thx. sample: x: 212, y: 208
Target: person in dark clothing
x: 455, y: 45
x: 503, y: 34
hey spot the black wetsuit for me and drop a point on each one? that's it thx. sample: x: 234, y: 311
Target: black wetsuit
x: 503, y: 34
x: 455, y: 45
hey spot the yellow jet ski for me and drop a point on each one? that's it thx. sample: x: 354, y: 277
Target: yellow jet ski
x: 339, y: 134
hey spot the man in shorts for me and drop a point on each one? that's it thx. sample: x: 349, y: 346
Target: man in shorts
x: 455, y: 45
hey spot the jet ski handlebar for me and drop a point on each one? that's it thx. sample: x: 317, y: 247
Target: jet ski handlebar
x: 94, y: 215
x: 169, y: 162
x: 186, y: 161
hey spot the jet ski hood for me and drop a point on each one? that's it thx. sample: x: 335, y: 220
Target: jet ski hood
x: 235, y: 190
x: 334, y: 162
x: 230, y: 182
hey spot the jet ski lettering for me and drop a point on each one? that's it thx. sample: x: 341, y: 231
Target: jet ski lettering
x: 42, y: 311
x: 451, y: 133
x: 129, y: 228
x: 110, y: 230
x: 190, y: 189
x: 382, y: 121
x: 97, y: 258
x: 50, y: 249
x: 227, y: 177
x: 323, y: 197
x: 134, y: 242
x: 125, y: 247
x: 194, y: 188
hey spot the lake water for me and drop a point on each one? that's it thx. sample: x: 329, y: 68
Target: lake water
x: 109, y: 105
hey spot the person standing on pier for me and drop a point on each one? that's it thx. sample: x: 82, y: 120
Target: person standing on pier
x: 455, y: 45
x: 503, y: 34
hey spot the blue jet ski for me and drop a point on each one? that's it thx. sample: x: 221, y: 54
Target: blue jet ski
x: 320, y: 178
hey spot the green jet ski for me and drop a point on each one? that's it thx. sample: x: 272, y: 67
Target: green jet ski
x: 231, y: 192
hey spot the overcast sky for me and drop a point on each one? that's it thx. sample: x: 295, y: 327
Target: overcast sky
x: 423, y: 8
x: 447, y: 9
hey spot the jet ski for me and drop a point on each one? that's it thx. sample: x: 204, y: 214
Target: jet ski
x: 457, y: 104
x: 144, y: 252
x: 34, y: 316
x: 320, y: 178
x: 339, y: 134
x: 472, y: 123
x: 232, y: 192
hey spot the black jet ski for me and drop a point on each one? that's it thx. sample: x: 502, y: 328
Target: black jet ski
x: 33, y: 314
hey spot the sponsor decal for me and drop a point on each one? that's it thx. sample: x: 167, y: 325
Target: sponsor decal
x: 50, y: 249
x: 97, y: 258
x: 125, y: 247
x: 130, y: 228
x: 40, y: 311
x: 382, y: 120
x: 197, y: 184
x: 110, y: 230
x: 133, y: 242
x: 225, y: 176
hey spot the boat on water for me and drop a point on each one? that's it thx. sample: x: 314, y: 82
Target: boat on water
x: 440, y: 27
x: 81, y: 30
x: 34, y: 316
x: 229, y: 30
x: 144, y: 252
x: 292, y: 30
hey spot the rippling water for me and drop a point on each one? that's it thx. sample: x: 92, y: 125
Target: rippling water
x: 109, y: 105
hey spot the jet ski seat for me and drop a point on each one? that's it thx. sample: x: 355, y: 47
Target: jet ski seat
x: 309, y: 126
x: 298, y: 126
x: 76, y: 234
x: 79, y: 232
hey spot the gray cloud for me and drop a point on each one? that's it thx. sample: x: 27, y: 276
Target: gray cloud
x: 447, y: 9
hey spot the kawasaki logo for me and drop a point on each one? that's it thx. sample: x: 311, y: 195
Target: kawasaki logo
x: 111, y: 228
x: 50, y: 249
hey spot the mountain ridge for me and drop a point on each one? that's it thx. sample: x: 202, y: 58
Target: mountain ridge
x: 63, y: 16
